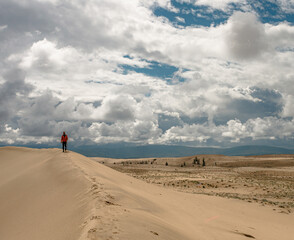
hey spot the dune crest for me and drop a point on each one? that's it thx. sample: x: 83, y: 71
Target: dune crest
x: 47, y: 194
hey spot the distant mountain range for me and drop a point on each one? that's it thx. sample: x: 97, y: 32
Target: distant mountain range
x: 157, y: 151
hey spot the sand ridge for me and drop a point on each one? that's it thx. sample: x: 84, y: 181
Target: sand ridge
x: 45, y: 194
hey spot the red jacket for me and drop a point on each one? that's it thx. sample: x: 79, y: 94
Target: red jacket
x: 64, y: 138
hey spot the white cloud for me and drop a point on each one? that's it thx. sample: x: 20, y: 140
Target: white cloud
x: 77, y: 65
x: 187, y: 133
x: 12, y: 93
x: 181, y: 20
x: 234, y: 131
x: 3, y: 27
x: 159, y: 3
x: 287, y: 5
x: 266, y: 128
x: 45, y: 56
x: 246, y: 37
x: 280, y: 36
x: 288, y: 110
x: 137, y: 132
x: 117, y: 108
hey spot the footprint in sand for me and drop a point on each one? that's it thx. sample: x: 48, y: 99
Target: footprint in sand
x: 96, y: 192
x: 95, y: 217
x: 92, y: 233
x: 84, y: 224
x: 110, y: 196
x: 244, y: 234
x: 109, y: 203
x: 155, y: 233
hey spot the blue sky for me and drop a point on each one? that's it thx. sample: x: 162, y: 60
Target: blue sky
x: 190, y: 72
x: 204, y: 15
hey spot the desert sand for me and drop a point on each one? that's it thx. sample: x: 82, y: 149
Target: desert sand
x: 47, y: 194
x: 267, y: 180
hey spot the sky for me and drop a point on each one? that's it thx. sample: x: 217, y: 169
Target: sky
x: 183, y: 72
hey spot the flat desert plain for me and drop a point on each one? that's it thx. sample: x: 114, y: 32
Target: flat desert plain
x: 47, y: 194
x: 267, y: 180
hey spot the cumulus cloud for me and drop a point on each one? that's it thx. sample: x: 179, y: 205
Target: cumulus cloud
x: 246, y: 38
x: 12, y: 92
x: 118, y: 108
x: 266, y: 128
x: 288, y: 110
x: 136, y: 131
x: 44, y: 56
x: 79, y: 67
x: 117, y: 118
x: 280, y: 36
x: 234, y: 131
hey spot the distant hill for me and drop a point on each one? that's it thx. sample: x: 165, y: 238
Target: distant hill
x: 175, y: 151
x: 256, y: 150
x: 157, y: 151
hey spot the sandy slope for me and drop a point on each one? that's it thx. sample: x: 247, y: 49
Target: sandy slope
x: 42, y: 196
x: 46, y: 194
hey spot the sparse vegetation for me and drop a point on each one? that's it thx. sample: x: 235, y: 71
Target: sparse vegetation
x: 268, y: 187
x: 196, y: 161
x: 183, y: 165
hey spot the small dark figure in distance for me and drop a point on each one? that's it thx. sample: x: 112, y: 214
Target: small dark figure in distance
x: 64, y: 139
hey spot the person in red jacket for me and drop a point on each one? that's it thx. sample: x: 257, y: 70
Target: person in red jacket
x: 64, y: 139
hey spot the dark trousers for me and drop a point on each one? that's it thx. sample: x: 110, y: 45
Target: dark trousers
x: 64, y: 146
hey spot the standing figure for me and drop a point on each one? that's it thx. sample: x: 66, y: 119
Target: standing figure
x: 64, y: 139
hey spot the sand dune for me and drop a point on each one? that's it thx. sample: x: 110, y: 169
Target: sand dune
x: 47, y: 194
